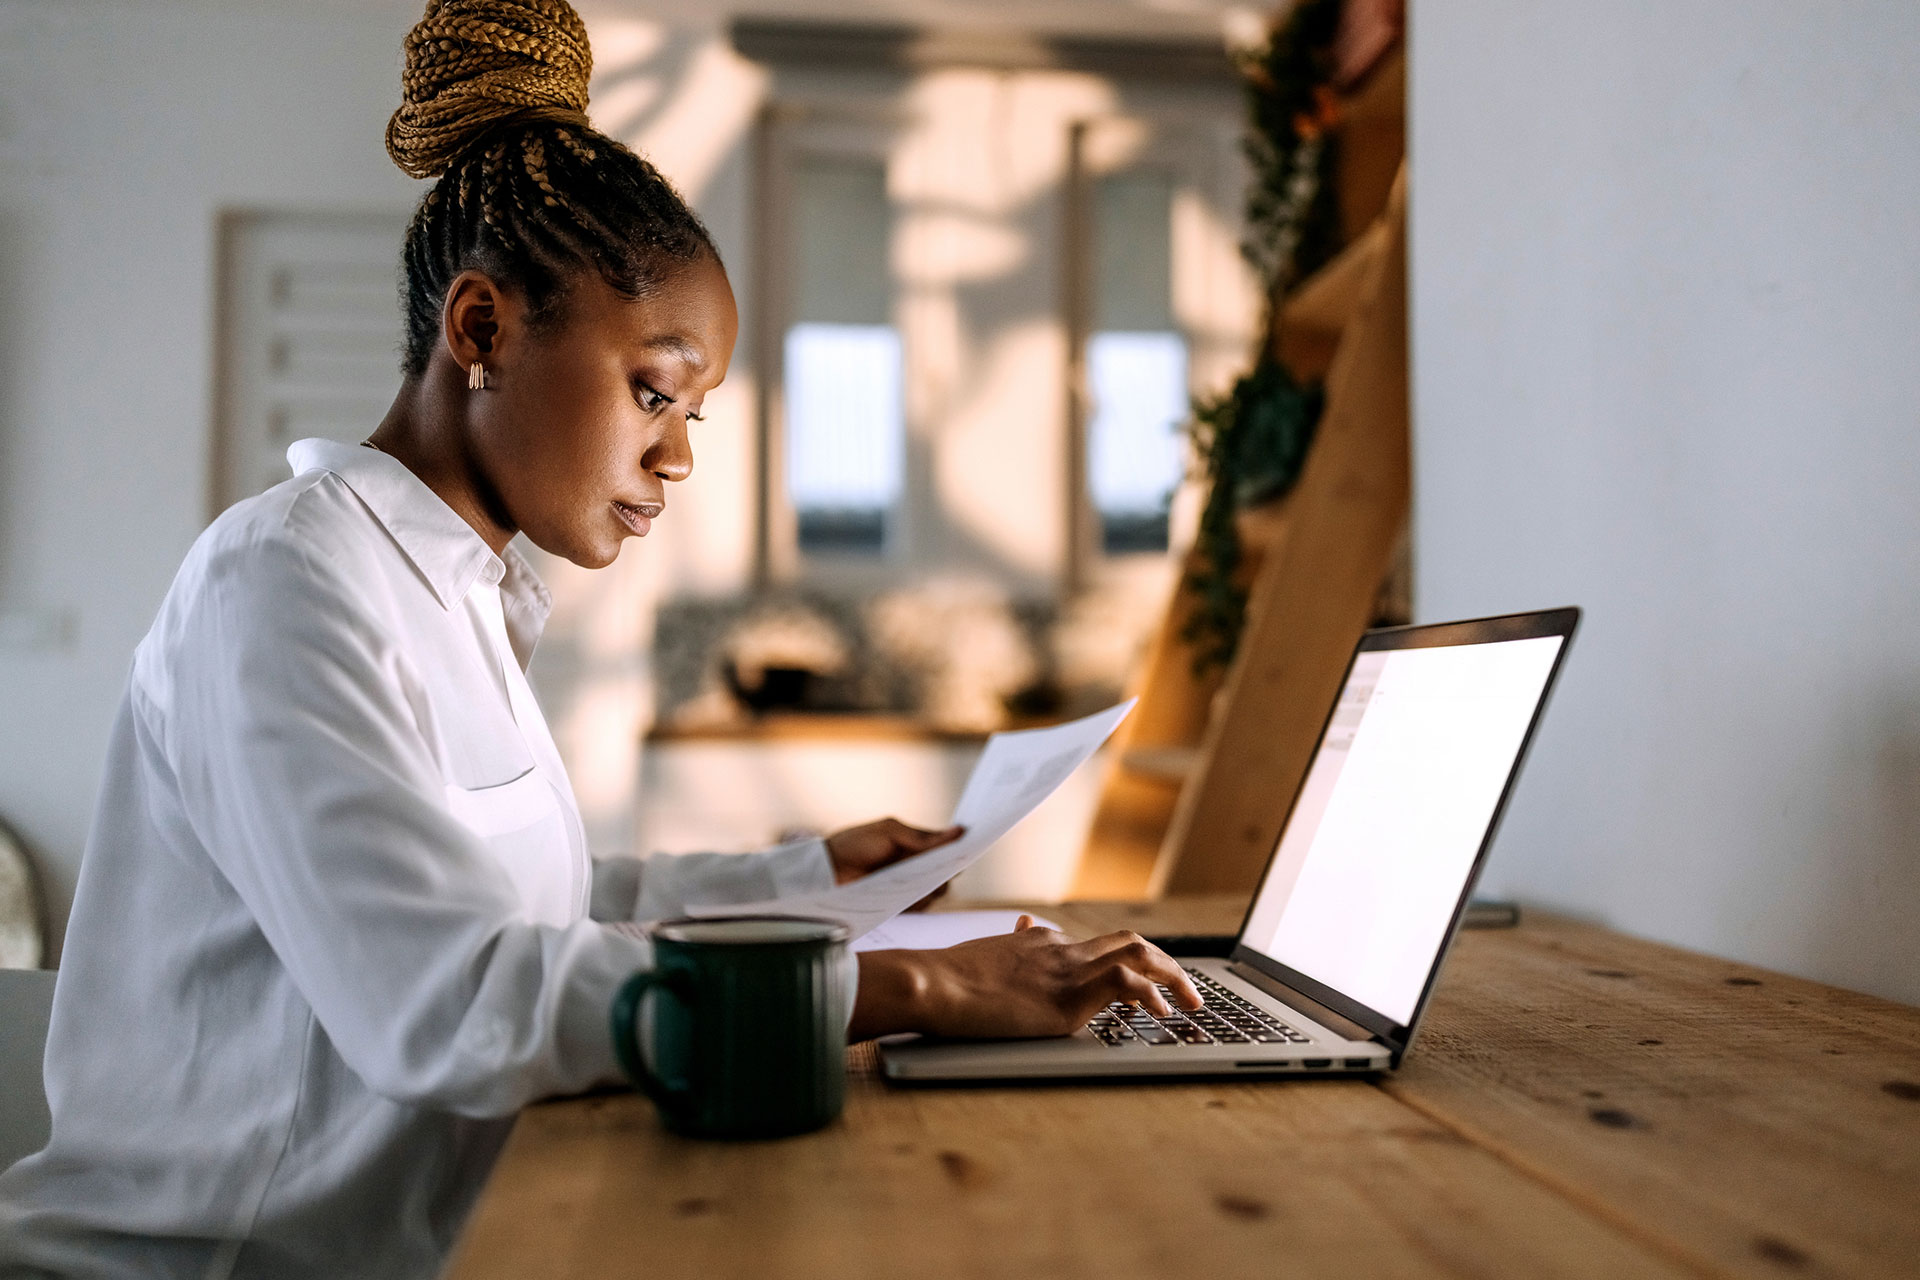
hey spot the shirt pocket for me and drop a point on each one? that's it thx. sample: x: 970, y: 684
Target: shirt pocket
x: 521, y: 824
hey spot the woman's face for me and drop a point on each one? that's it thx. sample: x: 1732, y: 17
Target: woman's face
x: 585, y: 418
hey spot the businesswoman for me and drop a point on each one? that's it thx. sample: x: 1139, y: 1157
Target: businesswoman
x: 337, y: 919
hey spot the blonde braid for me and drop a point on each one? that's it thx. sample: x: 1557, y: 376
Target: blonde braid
x: 490, y: 174
x: 534, y: 154
x: 472, y: 64
x: 493, y: 102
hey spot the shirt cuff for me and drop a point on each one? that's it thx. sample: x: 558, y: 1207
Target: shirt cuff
x: 603, y: 961
x: 799, y: 866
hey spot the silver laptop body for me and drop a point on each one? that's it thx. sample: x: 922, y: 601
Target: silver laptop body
x: 1364, y: 890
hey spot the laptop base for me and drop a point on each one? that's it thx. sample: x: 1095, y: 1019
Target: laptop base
x: 1080, y: 1056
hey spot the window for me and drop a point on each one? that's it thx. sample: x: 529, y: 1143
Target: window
x: 1136, y: 362
x: 978, y: 344
x: 842, y: 361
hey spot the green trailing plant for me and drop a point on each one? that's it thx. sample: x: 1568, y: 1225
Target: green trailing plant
x: 1293, y: 216
x: 1252, y: 441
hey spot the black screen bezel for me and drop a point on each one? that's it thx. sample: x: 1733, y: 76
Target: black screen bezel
x: 1513, y: 626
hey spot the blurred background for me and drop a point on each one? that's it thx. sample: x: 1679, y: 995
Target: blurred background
x: 1041, y: 305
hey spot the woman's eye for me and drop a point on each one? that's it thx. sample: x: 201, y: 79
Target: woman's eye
x: 649, y: 399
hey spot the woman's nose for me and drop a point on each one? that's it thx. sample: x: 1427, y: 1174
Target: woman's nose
x: 671, y: 457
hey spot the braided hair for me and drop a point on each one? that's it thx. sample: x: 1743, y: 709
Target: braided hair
x: 494, y: 99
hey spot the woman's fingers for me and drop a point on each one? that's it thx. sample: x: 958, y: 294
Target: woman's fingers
x: 919, y: 839
x: 1143, y: 957
x: 1135, y: 986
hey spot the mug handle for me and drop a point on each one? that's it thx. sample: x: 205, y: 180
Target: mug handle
x: 626, y: 1038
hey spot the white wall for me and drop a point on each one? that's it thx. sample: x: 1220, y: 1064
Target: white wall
x: 1666, y: 310
x: 123, y: 130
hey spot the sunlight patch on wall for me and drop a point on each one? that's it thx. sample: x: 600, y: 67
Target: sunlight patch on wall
x: 1001, y: 461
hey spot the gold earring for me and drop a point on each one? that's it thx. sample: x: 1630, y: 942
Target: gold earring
x: 476, y: 376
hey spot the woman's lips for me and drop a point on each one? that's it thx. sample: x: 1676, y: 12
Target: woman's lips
x: 637, y: 518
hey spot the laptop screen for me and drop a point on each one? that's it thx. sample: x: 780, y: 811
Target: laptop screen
x: 1393, y: 813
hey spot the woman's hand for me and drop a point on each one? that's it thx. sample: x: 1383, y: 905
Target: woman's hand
x: 873, y: 845
x: 1031, y: 982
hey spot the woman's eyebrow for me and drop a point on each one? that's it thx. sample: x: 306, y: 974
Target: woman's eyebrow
x: 674, y: 345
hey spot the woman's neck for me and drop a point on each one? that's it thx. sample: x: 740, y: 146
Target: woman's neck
x: 427, y: 432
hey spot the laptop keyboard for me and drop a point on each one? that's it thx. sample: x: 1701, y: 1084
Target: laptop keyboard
x: 1226, y: 1018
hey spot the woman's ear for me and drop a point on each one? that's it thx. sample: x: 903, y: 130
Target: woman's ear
x: 472, y: 317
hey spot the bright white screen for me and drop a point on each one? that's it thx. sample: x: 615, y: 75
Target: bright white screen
x: 1396, y: 805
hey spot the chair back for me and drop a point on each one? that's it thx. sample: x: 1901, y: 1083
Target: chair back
x: 26, y: 1001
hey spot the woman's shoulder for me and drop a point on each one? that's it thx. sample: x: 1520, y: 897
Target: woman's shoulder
x: 296, y: 565
x: 306, y: 544
x: 306, y: 525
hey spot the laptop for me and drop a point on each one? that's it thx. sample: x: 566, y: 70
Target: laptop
x: 1363, y: 891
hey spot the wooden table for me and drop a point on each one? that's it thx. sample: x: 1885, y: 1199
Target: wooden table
x: 1578, y: 1104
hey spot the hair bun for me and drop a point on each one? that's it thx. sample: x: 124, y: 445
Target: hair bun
x: 474, y: 63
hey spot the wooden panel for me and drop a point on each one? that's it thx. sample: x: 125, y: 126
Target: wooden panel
x: 1372, y: 137
x: 1308, y: 328
x: 1157, y: 747
x: 1311, y: 605
x: 1763, y: 1124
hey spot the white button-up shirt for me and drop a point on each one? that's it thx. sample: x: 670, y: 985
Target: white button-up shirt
x: 332, y: 927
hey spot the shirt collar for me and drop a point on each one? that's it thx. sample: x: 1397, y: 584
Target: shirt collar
x: 441, y: 545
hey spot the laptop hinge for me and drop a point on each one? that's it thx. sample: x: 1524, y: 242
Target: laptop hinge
x: 1299, y: 1003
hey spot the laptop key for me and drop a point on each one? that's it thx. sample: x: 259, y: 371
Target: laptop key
x: 1156, y: 1035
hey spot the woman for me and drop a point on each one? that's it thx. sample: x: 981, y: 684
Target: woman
x: 337, y: 921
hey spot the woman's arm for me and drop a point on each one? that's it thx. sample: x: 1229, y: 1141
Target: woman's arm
x: 304, y: 771
x: 665, y: 885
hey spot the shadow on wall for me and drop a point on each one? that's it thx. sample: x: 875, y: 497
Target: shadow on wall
x: 1874, y: 854
x: 632, y: 94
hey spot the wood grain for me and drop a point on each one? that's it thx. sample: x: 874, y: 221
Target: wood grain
x: 1579, y: 1104
x: 1321, y: 1178
x: 1762, y: 1124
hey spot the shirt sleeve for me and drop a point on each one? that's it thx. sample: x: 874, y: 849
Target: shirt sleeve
x: 309, y: 779
x: 665, y: 885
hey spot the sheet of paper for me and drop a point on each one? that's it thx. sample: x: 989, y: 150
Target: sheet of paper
x: 934, y: 930
x: 1015, y: 773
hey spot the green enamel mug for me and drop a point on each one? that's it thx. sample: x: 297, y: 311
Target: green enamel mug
x: 739, y: 1029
